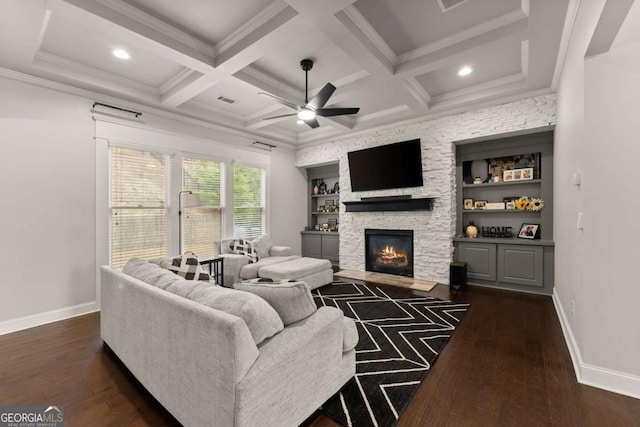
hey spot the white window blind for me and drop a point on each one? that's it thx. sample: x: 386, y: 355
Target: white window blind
x: 248, y: 201
x: 202, y: 225
x: 139, y: 189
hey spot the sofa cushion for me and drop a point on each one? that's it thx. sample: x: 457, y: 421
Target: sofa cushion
x: 250, y: 271
x: 186, y: 266
x: 244, y: 247
x: 349, y: 334
x: 295, y: 269
x: 261, y: 319
x: 150, y: 273
x: 291, y: 300
x: 262, y: 246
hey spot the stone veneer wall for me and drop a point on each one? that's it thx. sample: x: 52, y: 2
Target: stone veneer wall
x: 433, y: 230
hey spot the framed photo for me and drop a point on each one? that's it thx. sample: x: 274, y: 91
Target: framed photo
x: 507, y: 176
x: 527, y: 174
x: 468, y: 203
x: 517, y: 174
x: 510, y: 204
x: 528, y: 231
x: 328, y: 203
x: 325, y: 227
x: 480, y: 204
x: 333, y: 222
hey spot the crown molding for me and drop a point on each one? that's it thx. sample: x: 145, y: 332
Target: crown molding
x: 144, y: 108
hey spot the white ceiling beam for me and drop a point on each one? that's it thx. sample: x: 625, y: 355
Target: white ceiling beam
x: 450, y: 54
x: 92, y: 77
x: 152, y: 38
x: 272, y: 35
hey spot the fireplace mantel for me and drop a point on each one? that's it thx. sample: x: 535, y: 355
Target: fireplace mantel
x: 396, y: 204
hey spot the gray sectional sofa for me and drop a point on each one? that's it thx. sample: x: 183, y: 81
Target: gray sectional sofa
x: 275, y: 262
x: 214, y: 356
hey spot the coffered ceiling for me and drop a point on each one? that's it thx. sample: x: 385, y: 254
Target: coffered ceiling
x: 210, y: 59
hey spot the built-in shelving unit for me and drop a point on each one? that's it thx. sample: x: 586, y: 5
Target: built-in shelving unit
x: 321, y: 238
x: 506, y: 262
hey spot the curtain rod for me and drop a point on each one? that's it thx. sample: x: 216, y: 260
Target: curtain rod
x: 136, y: 113
x: 264, y: 145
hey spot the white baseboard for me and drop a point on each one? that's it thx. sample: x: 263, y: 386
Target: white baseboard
x: 591, y: 375
x: 39, y: 319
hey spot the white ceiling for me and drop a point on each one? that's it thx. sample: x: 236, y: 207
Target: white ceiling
x: 396, y: 60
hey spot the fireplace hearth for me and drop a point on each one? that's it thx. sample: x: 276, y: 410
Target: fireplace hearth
x: 389, y: 251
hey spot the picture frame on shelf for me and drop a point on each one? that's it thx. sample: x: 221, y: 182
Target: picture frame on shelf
x: 528, y: 231
x: 517, y: 175
x: 527, y: 174
x: 333, y: 224
x: 325, y: 227
x: 480, y: 204
x: 468, y: 204
x: 328, y: 203
x: 511, y: 204
x: 507, y: 176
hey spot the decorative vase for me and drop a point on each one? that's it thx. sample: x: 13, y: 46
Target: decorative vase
x: 316, y: 189
x: 471, y: 230
x: 323, y: 186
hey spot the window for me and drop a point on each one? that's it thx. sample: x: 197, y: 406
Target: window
x: 139, y: 189
x: 248, y: 201
x: 202, y: 225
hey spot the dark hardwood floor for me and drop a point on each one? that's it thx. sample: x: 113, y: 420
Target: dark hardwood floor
x: 506, y: 365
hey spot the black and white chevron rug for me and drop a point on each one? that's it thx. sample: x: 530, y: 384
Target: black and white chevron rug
x: 401, y: 335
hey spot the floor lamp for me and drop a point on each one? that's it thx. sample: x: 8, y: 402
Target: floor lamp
x: 190, y: 200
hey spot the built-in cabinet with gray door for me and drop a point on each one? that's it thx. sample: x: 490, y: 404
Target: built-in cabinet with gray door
x: 321, y: 239
x: 506, y: 261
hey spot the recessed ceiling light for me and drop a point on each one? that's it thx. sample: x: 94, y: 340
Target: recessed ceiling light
x: 121, y: 53
x: 465, y: 71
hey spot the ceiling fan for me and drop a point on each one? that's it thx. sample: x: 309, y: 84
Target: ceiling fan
x: 308, y: 112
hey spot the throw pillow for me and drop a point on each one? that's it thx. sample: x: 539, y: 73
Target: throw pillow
x: 244, y: 247
x: 262, y: 320
x: 186, y: 266
x: 262, y: 246
x: 292, y: 300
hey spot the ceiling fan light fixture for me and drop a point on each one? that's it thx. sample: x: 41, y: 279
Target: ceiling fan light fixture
x: 465, y: 71
x: 306, y: 114
x: 300, y: 121
x: 121, y: 53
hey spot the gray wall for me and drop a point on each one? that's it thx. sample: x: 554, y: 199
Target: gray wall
x: 48, y: 199
x: 596, y: 275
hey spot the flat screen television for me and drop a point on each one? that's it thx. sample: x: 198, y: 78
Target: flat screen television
x: 396, y: 165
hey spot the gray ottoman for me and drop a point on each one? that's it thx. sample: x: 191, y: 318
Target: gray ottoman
x: 314, y: 272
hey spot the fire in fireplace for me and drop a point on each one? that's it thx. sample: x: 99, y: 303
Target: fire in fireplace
x: 389, y: 251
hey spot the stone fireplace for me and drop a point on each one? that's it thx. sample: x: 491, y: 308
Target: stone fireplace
x: 389, y: 251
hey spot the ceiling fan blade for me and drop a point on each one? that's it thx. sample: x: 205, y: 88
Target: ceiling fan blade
x: 280, y: 116
x: 313, y: 123
x: 322, y: 97
x: 328, y: 112
x: 280, y: 100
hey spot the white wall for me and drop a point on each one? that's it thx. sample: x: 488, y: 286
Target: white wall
x: 48, y: 197
x: 596, y: 267
x: 433, y: 230
x: 288, y: 200
x: 47, y: 204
